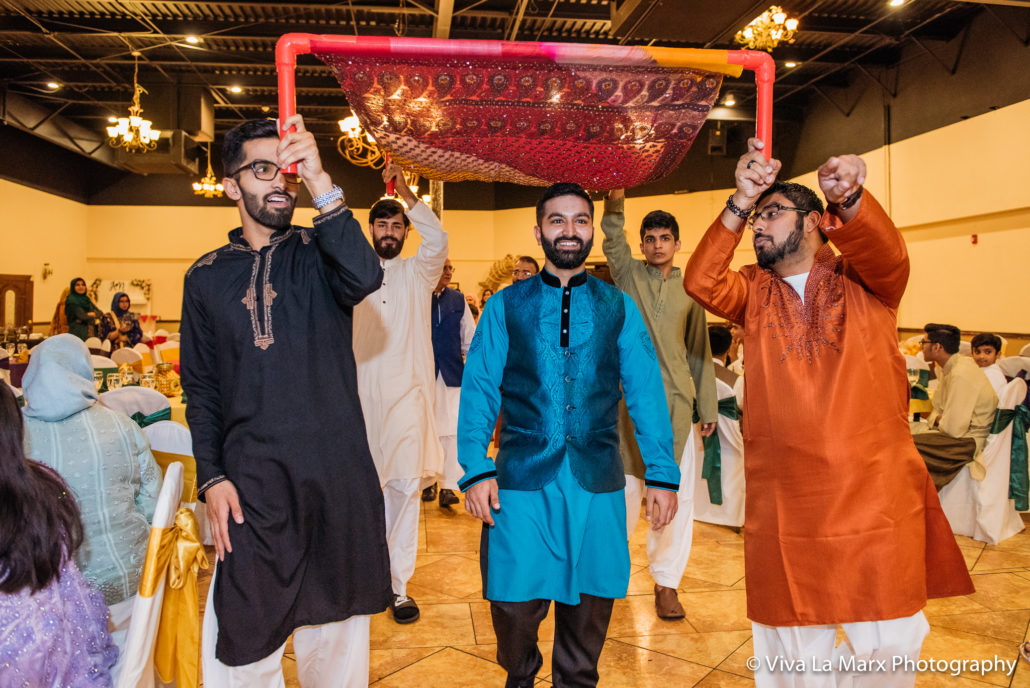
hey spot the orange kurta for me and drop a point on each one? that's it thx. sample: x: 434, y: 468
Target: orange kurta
x: 842, y: 522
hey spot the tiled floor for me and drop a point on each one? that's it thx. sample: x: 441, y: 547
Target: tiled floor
x: 453, y: 644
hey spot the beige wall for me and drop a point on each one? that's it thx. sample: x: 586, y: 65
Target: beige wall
x: 941, y: 187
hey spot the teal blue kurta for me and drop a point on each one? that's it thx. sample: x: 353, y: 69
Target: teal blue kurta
x: 561, y: 540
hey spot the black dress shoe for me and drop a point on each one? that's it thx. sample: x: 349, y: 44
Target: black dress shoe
x: 448, y: 498
x: 404, y: 609
x: 429, y: 494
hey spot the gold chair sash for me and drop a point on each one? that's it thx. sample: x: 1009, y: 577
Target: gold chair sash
x: 177, y: 552
x: 189, y: 472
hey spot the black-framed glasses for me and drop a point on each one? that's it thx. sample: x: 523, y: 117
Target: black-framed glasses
x: 265, y: 170
x: 772, y: 211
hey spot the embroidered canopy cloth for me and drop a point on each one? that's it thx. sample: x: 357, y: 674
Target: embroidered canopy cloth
x: 524, y: 112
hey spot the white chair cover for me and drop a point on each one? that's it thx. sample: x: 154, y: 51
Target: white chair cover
x: 129, y: 400
x: 1004, y: 345
x: 106, y: 346
x: 136, y: 665
x: 161, y: 333
x: 981, y: 509
x: 168, y: 352
x: 731, y: 511
x: 93, y: 343
x: 965, y: 348
x: 1025, y: 351
x: 103, y: 362
x: 125, y: 355
x: 173, y: 337
x: 174, y: 438
x: 1012, y: 366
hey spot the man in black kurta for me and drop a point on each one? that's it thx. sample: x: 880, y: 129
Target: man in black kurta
x: 293, y: 498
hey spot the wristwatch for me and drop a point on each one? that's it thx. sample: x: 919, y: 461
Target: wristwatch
x: 322, y: 200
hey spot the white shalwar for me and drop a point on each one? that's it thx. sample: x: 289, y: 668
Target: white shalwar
x: 393, y: 350
x: 333, y: 655
x: 447, y: 401
x: 876, y: 654
x: 668, y: 550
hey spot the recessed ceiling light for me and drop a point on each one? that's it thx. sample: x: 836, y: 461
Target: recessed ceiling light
x: 53, y: 85
x: 896, y: 3
x: 112, y: 119
x: 729, y: 100
x: 235, y: 89
x: 265, y: 108
x: 192, y: 39
x: 790, y: 63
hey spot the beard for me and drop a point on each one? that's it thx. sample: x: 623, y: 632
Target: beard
x: 273, y: 218
x: 387, y: 247
x: 566, y: 259
x: 770, y: 253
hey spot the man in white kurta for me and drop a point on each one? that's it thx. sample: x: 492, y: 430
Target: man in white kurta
x: 394, y: 355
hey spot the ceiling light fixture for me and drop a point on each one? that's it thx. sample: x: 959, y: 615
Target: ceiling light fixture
x: 768, y: 30
x: 192, y: 40
x: 730, y: 100
x: 133, y: 133
x: 896, y: 3
x: 790, y: 65
x: 208, y: 186
x: 235, y: 89
x: 357, y: 145
x: 53, y: 85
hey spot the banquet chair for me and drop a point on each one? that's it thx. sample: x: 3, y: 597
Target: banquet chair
x: 1015, y: 366
x: 1025, y: 351
x: 143, y: 405
x: 171, y: 441
x: 919, y: 381
x: 160, y: 337
x: 174, y: 337
x: 731, y: 450
x: 965, y: 348
x: 169, y: 352
x: 94, y: 344
x: 981, y: 509
x: 148, y: 358
x: 164, y: 643
x: 130, y: 356
x: 105, y: 347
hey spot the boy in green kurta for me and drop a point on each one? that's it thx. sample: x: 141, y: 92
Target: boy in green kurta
x: 678, y: 329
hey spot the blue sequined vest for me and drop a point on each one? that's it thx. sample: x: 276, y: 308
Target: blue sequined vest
x: 559, y: 401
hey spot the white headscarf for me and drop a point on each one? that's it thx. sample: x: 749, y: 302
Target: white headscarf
x: 59, y: 380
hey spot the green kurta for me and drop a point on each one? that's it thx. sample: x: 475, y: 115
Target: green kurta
x: 679, y: 331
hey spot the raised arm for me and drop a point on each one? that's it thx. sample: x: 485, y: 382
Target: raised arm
x: 615, y: 246
x: 432, y: 252
x: 352, y: 267
x: 708, y: 277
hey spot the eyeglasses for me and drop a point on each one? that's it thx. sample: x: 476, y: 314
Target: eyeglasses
x: 522, y: 273
x: 448, y: 268
x: 771, y: 212
x: 266, y: 170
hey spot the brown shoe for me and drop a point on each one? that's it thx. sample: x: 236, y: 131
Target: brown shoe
x: 667, y: 603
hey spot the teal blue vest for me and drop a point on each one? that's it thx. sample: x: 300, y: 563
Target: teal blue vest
x: 559, y: 401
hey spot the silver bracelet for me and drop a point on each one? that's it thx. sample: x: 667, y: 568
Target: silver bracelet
x: 322, y: 200
x: 739, y: 212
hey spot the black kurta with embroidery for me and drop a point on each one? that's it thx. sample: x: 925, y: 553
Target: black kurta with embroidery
x: 272, y: 404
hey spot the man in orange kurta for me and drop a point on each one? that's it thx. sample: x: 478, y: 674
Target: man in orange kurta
x: 842, y: 522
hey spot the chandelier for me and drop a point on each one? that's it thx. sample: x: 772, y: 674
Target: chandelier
x: 359, y: 148
x: 133, y: 133
x: 208, y: 186
x: 357, y: 145
x: 768, y: 30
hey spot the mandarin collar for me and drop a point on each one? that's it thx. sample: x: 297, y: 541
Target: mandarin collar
x: 577, y: 280
x: 237, y: 240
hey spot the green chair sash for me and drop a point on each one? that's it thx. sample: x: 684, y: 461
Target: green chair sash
x: 105, y: 371
x: 711, y: 469
x: 1019, y: 478
x: 156, y: 416
x: 920, y: 388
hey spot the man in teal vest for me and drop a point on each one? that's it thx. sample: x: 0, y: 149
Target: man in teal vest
x: 559, y: 344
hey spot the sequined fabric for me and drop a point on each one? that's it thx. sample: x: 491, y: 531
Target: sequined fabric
x: 529, y: 123
x: 56, y: 638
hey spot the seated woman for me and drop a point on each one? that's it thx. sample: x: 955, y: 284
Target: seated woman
x: 53, y: 625
x: 121, y: 325
x: 83, y: 315
x: 105, y: 460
